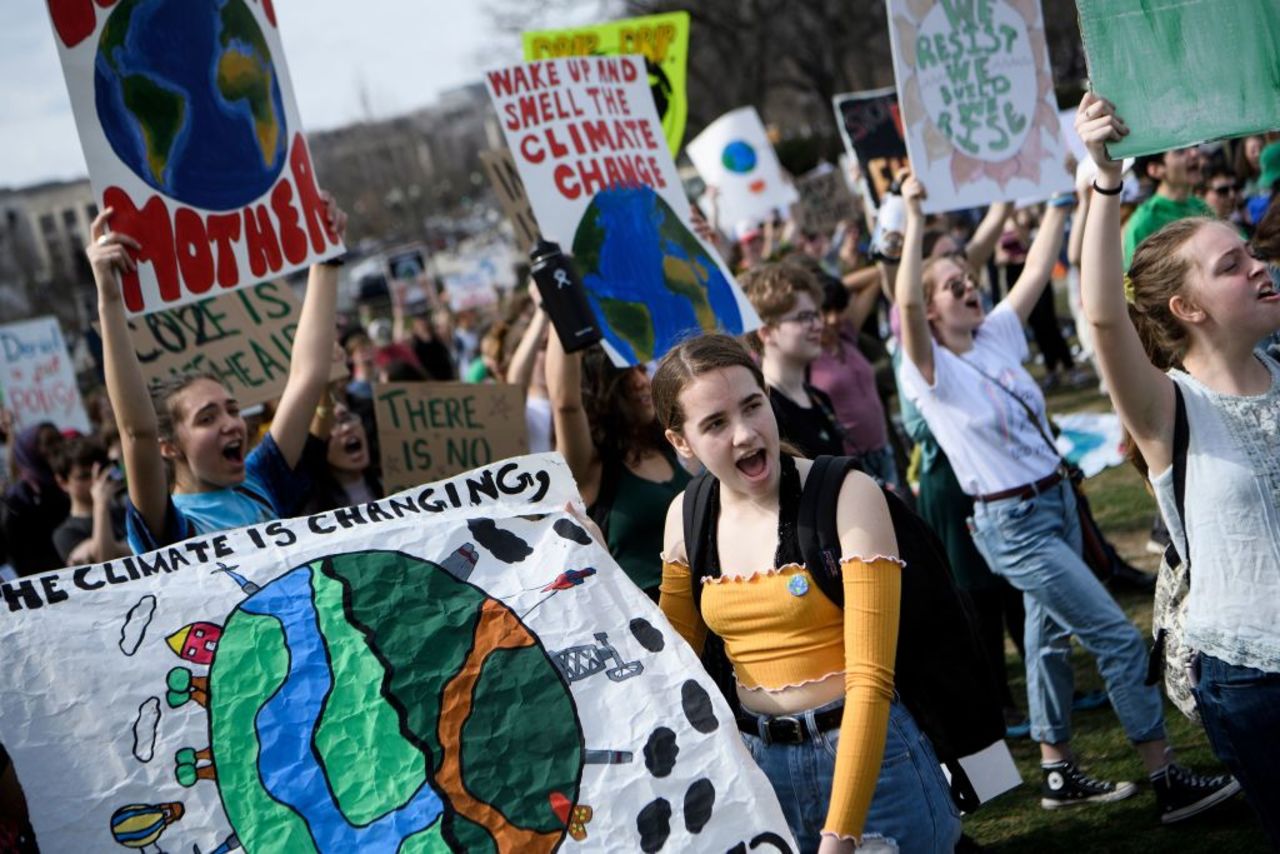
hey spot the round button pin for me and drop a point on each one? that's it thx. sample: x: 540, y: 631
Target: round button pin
x: 798, y: 585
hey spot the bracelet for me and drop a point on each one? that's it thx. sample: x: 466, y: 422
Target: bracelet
x: 1114, y: 191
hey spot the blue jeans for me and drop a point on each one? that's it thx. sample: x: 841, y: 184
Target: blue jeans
x: 1035, y: 545
x: 1240, y: 707
x: 911, y: 804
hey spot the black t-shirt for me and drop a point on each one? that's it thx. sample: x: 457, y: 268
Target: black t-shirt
x: 76, y: 529
x: 433, y: 354
x: 811, y: 431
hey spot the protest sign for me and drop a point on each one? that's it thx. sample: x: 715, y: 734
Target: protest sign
x: 407, y: 264
x: 245, y: 338
x: 977, y: 101
x: 433, y: 430
x: 37, y: 380
x: 190, y: 130
x: 734, y: 155
x: 1092, y: 441
x: 469, y: 289
x: 1184, y: 72
x: 588, y: 145
x: 500, y: 167
x: 871, y: 127
x: 459, y: 667
x: 663, y: 41
x: 825, y: 200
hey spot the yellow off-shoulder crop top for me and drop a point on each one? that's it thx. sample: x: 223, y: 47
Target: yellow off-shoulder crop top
x: 777, y: 636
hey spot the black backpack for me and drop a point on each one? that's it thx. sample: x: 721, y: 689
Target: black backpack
x: 940, y: 673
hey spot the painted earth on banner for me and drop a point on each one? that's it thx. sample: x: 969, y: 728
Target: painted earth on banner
x: 458, y: 667
x: 589, y: 148
x: 188, y: 123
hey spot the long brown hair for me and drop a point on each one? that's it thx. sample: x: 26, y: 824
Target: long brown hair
x: 1159, y: 272
x: 615, y: 434
x: 689, y: 360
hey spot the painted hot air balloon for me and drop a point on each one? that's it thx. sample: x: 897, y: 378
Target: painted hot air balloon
x: 140, y: 825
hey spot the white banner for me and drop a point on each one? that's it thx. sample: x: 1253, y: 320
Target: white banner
x: 456, y: 667
x: 734, y: 155
x: 978, y: 108
x: 190, y: 130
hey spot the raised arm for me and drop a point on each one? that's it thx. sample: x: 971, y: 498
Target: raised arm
x: 520, y: 370
x: 1142, y: 395
x: 1075, y: 240
x: 1038, y: 268
x: 569, y: 418
x: 917, y: 341
x: 399, y: 325
x: 864, y: 291
x: 136, y: 419
x: 312, y: 352
x: 983, y: 244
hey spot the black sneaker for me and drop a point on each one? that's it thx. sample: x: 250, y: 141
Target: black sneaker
x: 1181, y: 793
x: 1065, y: 785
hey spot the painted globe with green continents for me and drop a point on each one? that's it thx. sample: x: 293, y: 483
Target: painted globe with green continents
x: 647, y: 276
x: 375, y: 702
x: 188, y: 96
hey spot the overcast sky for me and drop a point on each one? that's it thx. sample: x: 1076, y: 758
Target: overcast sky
x: 403, y: 53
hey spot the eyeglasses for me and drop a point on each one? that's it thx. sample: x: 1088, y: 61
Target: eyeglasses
x: 804, y: 318
x: 960, y: 284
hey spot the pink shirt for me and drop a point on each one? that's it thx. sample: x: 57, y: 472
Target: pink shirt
x: 850, y: 381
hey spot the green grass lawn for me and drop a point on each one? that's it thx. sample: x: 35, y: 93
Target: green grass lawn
x: 1015, y: 821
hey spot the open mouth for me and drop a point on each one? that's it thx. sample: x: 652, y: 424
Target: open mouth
x: 973, y: 302
x: 354, y: 445
x: 754, y: 464
x: 234, y: 451
x: 1268, y: 293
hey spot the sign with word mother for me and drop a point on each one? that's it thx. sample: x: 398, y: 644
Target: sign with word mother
x: 245, y: 338
x: 589, y: 148
x: 432, y: 430
x: 190, y: 130
x: 977, y: 101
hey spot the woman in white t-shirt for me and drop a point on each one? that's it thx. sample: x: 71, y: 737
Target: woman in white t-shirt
x: 1199, y: 303
x: 963, y: 370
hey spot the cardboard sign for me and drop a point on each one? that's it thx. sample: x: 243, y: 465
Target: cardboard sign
x: 190, y: 130
x: 500, y: 167
x: 459, y: 667
x: 825, y: 200
x: 433, y: 430
x: 1184, y: 72
x: 977, y: 101
x: 245, y: 338
x: 871, y: 126
x: 37, y: 380
x: 589, y: 148
x: 663, y: 41
x: 734, y: 155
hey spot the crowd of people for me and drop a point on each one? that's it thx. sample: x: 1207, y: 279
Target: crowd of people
x: 905, y: 352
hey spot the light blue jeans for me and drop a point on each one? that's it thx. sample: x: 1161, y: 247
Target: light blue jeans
x: 911, y: 804
x: 1035, y: 545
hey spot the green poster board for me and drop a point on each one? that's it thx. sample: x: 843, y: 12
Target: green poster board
x: 1184, y: 71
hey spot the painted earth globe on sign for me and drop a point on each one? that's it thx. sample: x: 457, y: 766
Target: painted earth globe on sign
x: 739, y: 157
x: 647, y: 276
x: 354, y: 706
x: 188, y: 97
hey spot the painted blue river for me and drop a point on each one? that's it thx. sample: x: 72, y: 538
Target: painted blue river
x: 291, y: 771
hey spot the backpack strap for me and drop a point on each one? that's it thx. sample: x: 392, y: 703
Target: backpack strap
x: 816, y: 528
x: 1181, y: 443
x: 701, y: 510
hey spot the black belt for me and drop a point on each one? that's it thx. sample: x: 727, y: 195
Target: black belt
x: 1026, y: 491
x: 788, y: 729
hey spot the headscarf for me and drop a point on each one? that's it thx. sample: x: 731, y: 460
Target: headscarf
x: 32, y: 465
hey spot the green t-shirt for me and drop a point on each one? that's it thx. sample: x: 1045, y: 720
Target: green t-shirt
x: 1154, y: 214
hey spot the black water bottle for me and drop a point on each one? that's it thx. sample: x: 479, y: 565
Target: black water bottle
x: 564, y: 298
